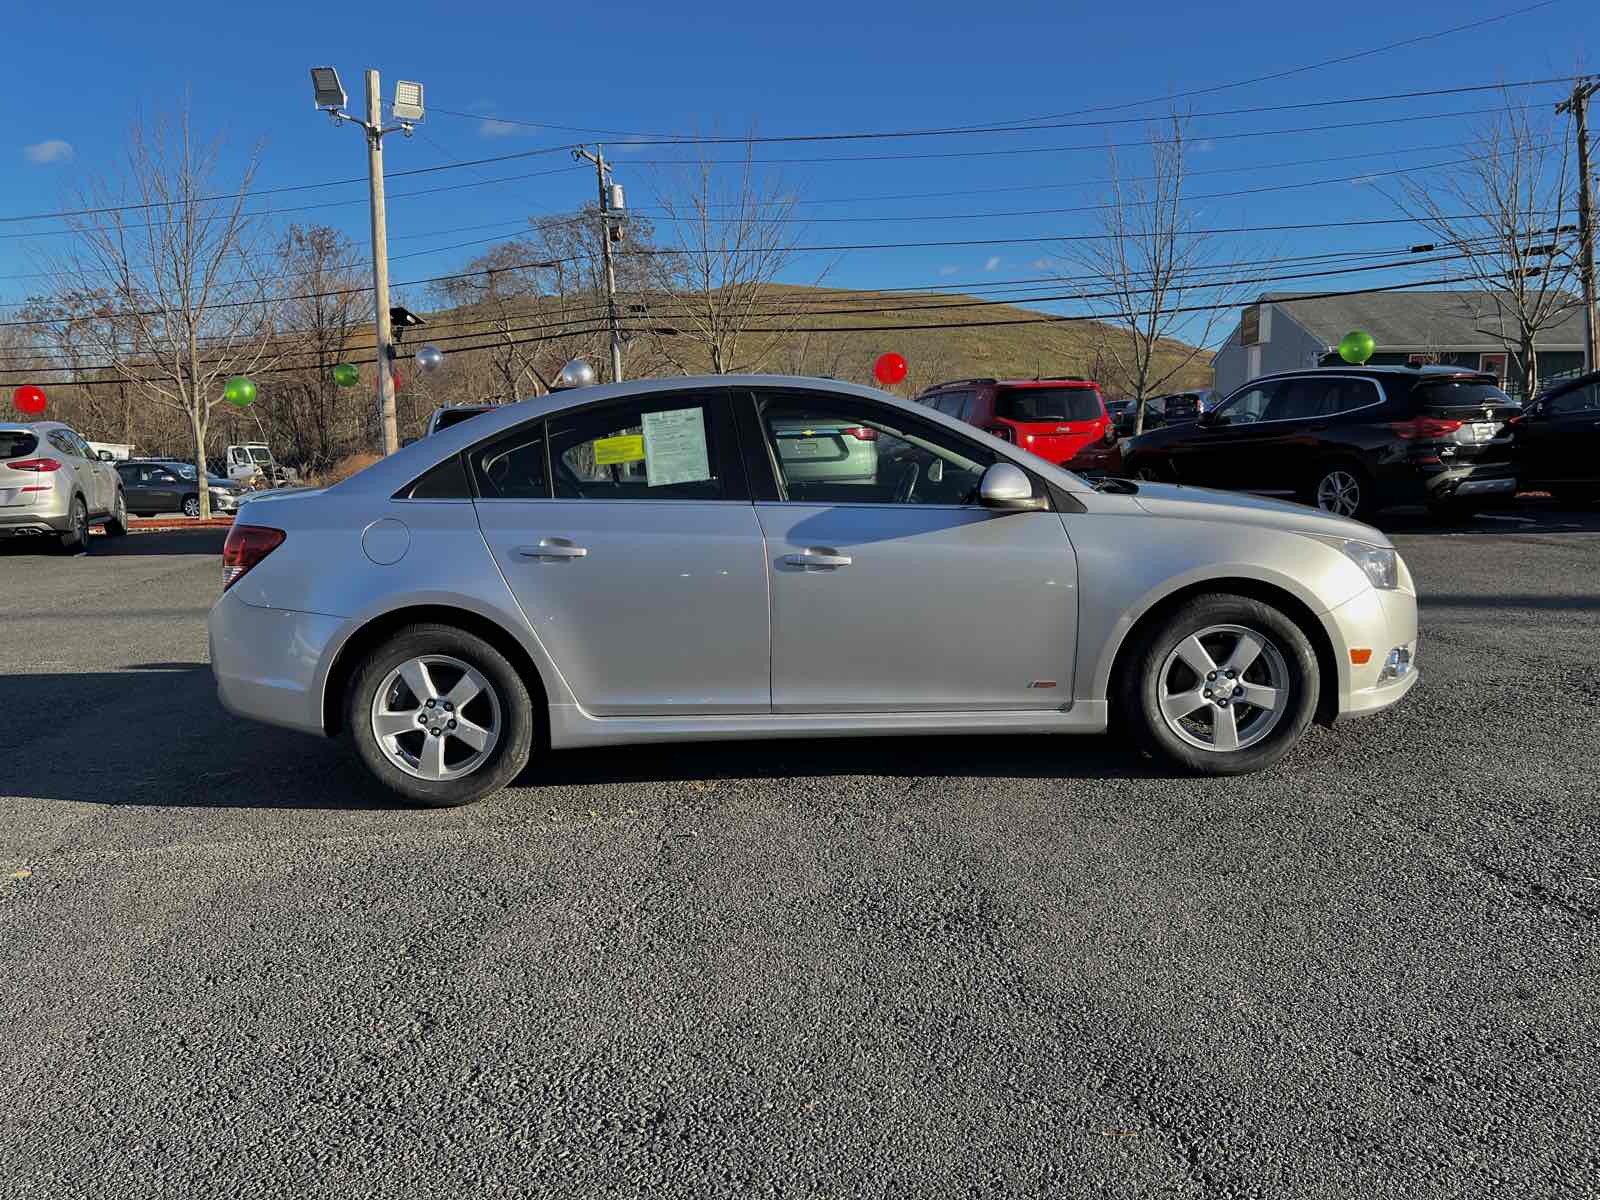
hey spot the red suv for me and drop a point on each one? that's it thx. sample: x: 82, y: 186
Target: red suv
x: 1061, y: 420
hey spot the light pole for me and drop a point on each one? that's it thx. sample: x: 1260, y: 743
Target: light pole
x: 407, y: 108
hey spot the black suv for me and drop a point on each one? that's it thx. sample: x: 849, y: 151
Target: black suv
x: 1558, y: 440
x: 1350, y: 440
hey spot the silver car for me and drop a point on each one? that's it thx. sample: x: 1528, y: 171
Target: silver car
x: 53, y: 485
x: 640, y: 562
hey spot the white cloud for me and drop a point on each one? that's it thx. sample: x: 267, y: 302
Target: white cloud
x: 491, y: 128
x: 1364, y: 181
x: 53, y: 151
x: 947, y: 271
x: 993, y: 263
x: 1204, y: 146
x: 1040, y: 264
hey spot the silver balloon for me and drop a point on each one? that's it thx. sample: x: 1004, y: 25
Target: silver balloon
x: 430, y: 358
x: 575, y: 374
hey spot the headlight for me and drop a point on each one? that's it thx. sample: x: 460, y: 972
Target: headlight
x: 1380, y: 564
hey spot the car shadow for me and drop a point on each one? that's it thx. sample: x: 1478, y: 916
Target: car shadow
x: 1526, y: 516
x: 159, y: 737
x: 203, y: 541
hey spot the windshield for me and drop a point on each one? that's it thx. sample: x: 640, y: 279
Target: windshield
x: 1048, y: 404
x: 16, y: 443
x: 260, y: 454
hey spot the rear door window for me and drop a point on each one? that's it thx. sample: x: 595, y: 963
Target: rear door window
x: 17, y: 443
x: 676, y: 446
x: 1047, y: 404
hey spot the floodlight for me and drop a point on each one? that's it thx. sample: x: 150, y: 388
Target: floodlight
x: 407, y: 101
x: 329, y: 91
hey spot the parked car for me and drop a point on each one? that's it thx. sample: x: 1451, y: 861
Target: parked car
x: 496, y: 591
x: 53, y: 485
x: 1350, y: 440
x: 1558, y: 440
x: 168, y: 486
x: 1063, y: 421
x: 1161, y: 411
x: 454, y: 414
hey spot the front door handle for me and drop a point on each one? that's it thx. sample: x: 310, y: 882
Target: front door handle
x: 553, y: 548
x: 816, y: 557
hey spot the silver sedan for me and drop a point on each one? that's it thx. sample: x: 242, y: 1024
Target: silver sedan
x: 660, y: 561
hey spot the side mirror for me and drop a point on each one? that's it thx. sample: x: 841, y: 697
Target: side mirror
x: 105, y: 456
x: 1006, y: 488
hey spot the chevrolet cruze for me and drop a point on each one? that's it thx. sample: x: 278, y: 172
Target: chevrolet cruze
x: 667, y: 560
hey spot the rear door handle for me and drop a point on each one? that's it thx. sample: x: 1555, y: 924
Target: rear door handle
x: 553, y: 548
x: 814, y: 557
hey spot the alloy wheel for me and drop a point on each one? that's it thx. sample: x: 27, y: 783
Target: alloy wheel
x: 191, y: 507
x: 436, y: 717
x: 1339, y: 492
x: 1224, y: 688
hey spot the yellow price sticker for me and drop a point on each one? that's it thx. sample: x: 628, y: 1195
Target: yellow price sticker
x: 626, y: 449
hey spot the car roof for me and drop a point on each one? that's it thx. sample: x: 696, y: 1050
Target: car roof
x: 1406, y: 371
x: 388, y: 475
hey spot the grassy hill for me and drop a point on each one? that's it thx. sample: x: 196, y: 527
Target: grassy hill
x: 843, y: 332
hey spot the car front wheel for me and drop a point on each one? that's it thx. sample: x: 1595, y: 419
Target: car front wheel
x: 1225, y: 685
x: 440, y: 716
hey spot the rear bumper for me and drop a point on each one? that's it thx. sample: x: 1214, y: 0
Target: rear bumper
x: 1474, y: 481
x: 270, y: 663
x: 26, y: 522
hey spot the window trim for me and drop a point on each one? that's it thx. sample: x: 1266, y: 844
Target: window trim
x: 1383, y: 398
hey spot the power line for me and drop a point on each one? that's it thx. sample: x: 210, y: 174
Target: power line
x: 685, y: 139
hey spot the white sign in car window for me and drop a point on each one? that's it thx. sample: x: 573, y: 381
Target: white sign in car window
x: 675, y: 447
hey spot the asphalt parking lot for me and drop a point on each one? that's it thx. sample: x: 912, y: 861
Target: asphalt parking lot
x: 995, y: 966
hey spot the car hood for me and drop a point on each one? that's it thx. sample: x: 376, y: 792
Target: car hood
x: 1202, y: 504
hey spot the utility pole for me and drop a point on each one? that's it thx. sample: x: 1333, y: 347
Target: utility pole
x: 610, y: 226
x: 1578, y: 105
x: 380, y: 267
x: 407, y: 110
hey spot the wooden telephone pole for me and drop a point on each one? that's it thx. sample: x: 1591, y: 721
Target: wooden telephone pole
x: 1578, y: 105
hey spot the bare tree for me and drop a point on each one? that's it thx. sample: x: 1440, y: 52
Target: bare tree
x: 1502, y: 211
x: 1152, y: 273
x: 723, y: 246
x: 185, y: 302
x: 318, y: 323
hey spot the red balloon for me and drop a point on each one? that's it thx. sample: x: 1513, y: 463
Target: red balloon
x: 890, y: 368
x: 29, y: 400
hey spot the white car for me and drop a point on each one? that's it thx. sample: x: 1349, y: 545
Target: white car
x: 52, y: 485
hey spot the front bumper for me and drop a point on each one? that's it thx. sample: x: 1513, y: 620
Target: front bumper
x: 1380, y: 623
x: 226, y: 502
x: 270, y: 663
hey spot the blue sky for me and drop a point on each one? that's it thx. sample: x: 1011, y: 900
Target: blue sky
x: 77, y: 74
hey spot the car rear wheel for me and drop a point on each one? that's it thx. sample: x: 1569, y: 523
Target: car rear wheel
x: 1225, y: 685
x: 440, y: 716
x: 1342, y: 489
x: 191, y: 506
x: 117, y: 522
x: 75, y: 538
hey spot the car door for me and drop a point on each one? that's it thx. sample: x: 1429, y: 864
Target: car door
x: 102, y: 477
x: 166, y: 488
x: 1559, y: 442
x: 131, y: 488
x: 626, y: 533
x: 83, y: 475
x: 899, y: 593
x: 1220, y: 451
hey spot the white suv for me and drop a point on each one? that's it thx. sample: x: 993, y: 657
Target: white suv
x: 52, y: 484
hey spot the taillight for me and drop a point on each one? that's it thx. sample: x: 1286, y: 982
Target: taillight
x: 35, y: 464
x: 862, y: 433
x: 1110, y: 435
x: 245, y: 547
x: 1426, y: 429
x: 1003, y: 432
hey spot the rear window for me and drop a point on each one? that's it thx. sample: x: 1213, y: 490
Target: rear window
x: 454, y: 416
x: 17, y: 443
x: 1048, y: 404
x: 1452, y: 393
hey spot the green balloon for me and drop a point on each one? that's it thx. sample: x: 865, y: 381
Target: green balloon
x: 346, y: 375
x: 240, y: 391
x: 1357, y: 346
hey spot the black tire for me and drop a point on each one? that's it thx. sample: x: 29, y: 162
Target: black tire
x: 1336, y: 479
x: 75, y: 539
x: 1141, y: 686
x: 504, y: 761
x: 117, y: 523
x: 191, y: 506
